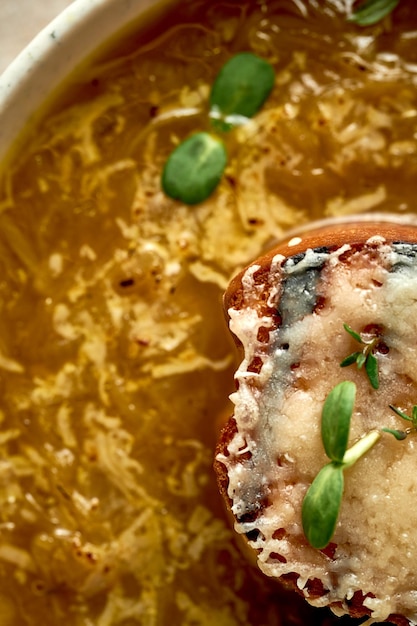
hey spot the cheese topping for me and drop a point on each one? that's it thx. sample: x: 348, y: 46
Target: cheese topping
x: 277, y: 450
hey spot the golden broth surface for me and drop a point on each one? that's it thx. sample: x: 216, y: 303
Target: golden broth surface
x: 115, y: 360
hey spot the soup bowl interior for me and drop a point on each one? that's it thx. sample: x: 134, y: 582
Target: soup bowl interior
x: 117, y: 359
x: 78, y: 32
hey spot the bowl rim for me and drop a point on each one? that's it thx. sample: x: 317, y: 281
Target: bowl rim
x: 77, y: 32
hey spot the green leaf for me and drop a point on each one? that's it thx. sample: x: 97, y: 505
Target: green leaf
x: 335, y: 420
x: 401, y: 413
x: 321, y: 505
x: 353, y: 333
x: 194, y: 169
x: 240, y: 89
x: 349, y: 360
x: 361, y: 360
x: 414, y: 416
x: 372, y: 11
x: 371, y: 367
x: 398, y: 434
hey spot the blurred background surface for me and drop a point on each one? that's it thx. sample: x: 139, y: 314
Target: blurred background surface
x: 20, y: 21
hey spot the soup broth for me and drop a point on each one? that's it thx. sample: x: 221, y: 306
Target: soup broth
x: 115, y: 359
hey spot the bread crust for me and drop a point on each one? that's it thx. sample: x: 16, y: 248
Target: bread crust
x: 332, y: 236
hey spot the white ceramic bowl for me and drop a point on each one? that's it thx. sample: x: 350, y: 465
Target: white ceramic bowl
x: 70, y: 38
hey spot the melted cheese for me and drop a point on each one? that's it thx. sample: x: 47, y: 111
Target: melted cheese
x: 277, y: 450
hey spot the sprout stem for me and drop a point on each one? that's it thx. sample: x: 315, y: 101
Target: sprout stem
x: 360, y: 448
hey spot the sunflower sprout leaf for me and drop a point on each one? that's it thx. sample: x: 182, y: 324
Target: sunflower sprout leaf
x: 240, y: 89
x: 321, y: 505
x: 194, y: 169
x: 372, y: 11
x: 335, y: 424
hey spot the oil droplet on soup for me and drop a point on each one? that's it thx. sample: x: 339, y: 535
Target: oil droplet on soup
x: 115, y: 360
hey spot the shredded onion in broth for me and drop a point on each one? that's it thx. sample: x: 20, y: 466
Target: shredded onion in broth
x: 115, y: 361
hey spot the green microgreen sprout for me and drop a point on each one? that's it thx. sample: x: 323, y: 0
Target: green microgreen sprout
x: 372, y: 11
x: 321, y: 504
x: 364, y: 357
x: 194, y: 169
x: 202, y: 158
x: 403, y: 434
x: 239, y: 91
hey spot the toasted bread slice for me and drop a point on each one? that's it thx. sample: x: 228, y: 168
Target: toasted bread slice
x: 287, y: 311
